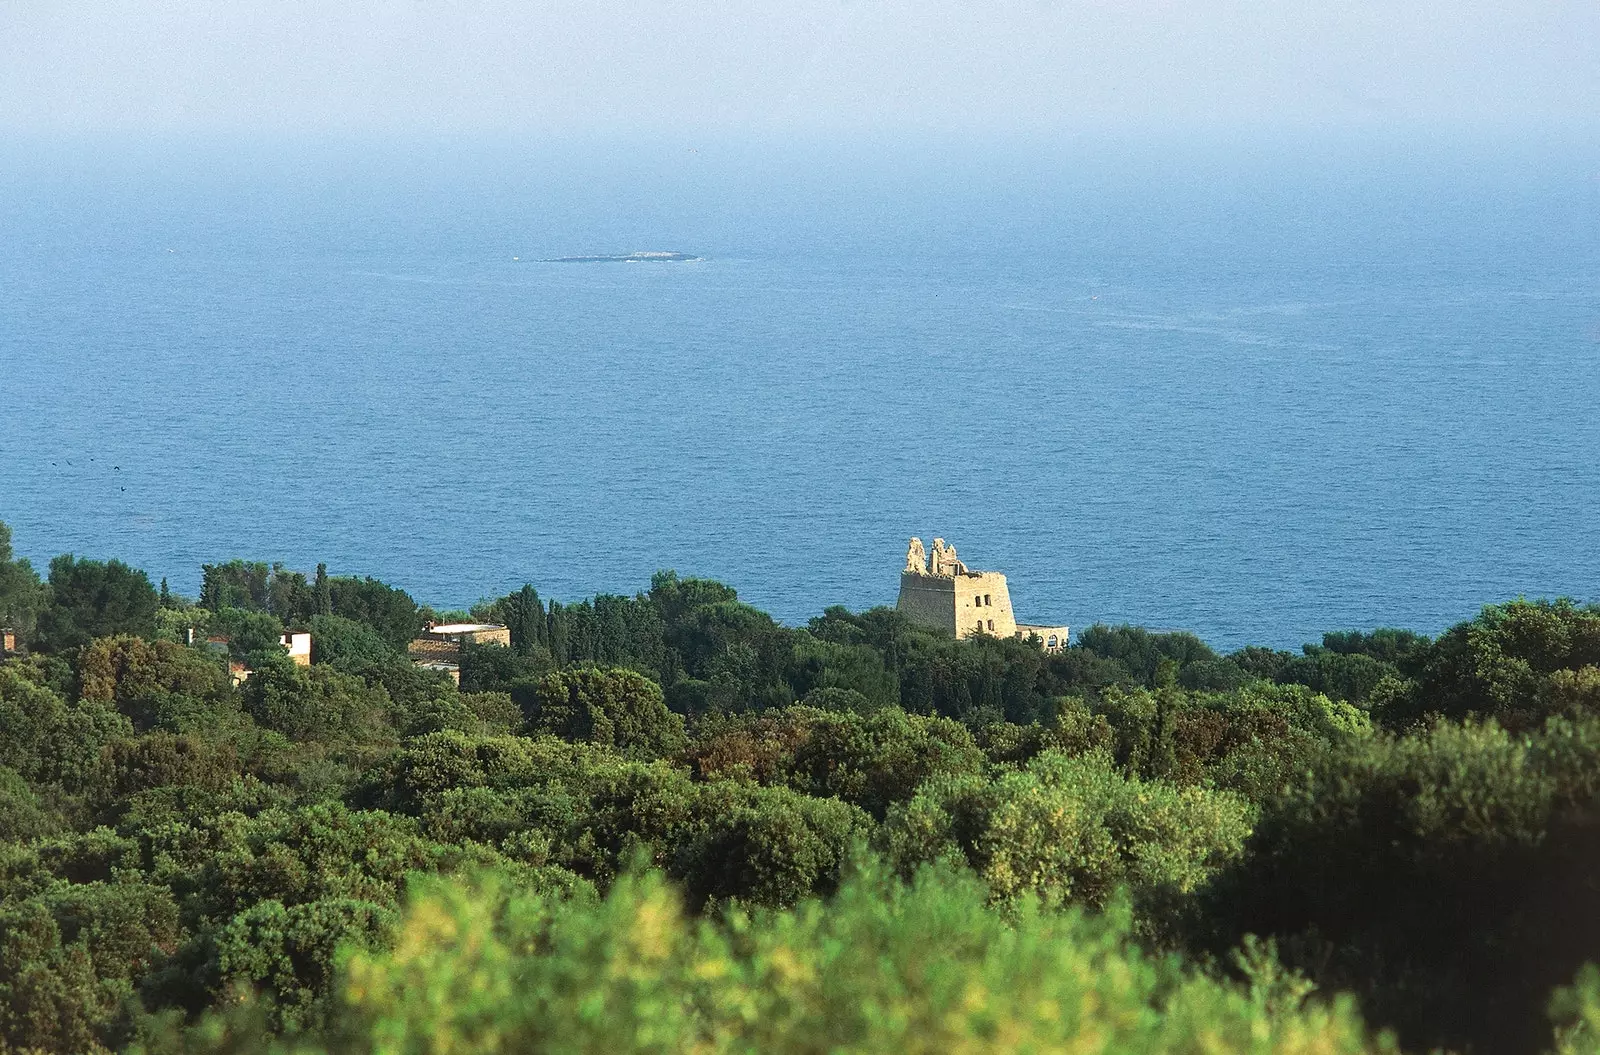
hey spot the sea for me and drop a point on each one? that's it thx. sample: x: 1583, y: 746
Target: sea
x: 1257, y: 387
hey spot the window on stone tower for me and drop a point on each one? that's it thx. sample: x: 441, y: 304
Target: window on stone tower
x: 991, y: 624
x: 985, y: 599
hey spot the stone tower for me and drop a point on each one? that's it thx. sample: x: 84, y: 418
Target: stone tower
x: 941, y: 592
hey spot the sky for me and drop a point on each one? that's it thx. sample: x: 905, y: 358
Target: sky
x: 74, y: 67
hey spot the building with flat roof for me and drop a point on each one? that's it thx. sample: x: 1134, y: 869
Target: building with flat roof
x: 467, y: 633
x: 298, y: 644
x: 940, y: 591
x: 440, y: 645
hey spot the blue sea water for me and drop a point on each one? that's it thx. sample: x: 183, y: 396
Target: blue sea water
x: 1256, y: 394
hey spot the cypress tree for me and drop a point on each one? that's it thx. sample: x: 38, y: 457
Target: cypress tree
x: 558, y: 634
x: 525, y: 618
x: 322, y: 594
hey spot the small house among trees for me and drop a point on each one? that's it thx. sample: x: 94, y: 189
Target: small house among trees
x: 440, y: 645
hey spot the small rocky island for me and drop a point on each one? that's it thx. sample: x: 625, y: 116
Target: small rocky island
x: 652, y: 257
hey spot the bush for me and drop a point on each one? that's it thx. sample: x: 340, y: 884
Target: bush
x: 159, y: 760
x: 1070, y: 830
x: 155, y: 683
x: 589, y: 810
x: 614, y: 708
x: 871, y: 761
x: 1575, y: 1011
x: 47, y: 740
x: 288, y: 954
x: 1436, y: 875
x: 314, y: 703
x: 1517, y: 663
x: 22, y: 816
x: 768, y: 845
x: 923, y: 968
x: 69, y: 957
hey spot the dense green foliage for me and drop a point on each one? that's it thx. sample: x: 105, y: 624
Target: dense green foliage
x: 883, y: 967
x: 21, y: 593
x: 1449, y: 878
x: 90, y: 599
x: 667, y: 822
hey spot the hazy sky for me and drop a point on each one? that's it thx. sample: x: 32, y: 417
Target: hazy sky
x: 458, y: 66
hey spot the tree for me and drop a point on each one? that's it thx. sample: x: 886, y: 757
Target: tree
x: 678, y: 597
x: 249, y: 633
x: 871, y: 761
x: 315, y: 703
x: 387, y: 609
x: 525, y: 616
x: 322, y: 592
x: 346, y: 643
x: 21, y: 594
x: 161, y: 760
x: 1403, y: 648
x: 90, y: 599
x: 617, y: 708
x: 47, y: 740
x: 254, y: 586
x: 155, y: 683
x: 236, y: 584
x: 1446, y: 877
x: 769, y: 845
x: 69, y: 956
x: 1344, y: 675
x: 1517, y: 662
x: 1140, y: 652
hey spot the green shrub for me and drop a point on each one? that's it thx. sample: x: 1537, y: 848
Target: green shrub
x: 589, y: 810
x: 1439, y: 876
x: 315, y: 703
x: 70, y: 955
x: 1070, y: 830
x: 924, y: 968
x: 158, y: 760
x: 45, y: 739
x: 289, y: 953
x: 615, y: 708
x: 22, y: 815
x: 1517, y: 663
x: 871, y: 760
x: 1575, y: 1010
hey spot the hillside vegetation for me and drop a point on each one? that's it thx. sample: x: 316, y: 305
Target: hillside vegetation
x: 668, y: 823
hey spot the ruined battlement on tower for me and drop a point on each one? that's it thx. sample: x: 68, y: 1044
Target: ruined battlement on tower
x: 940, y: 591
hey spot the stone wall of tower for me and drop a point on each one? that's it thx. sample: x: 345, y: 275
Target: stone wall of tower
x: 929, y: 600
x: 982, y: 602
x: 960, y: 605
